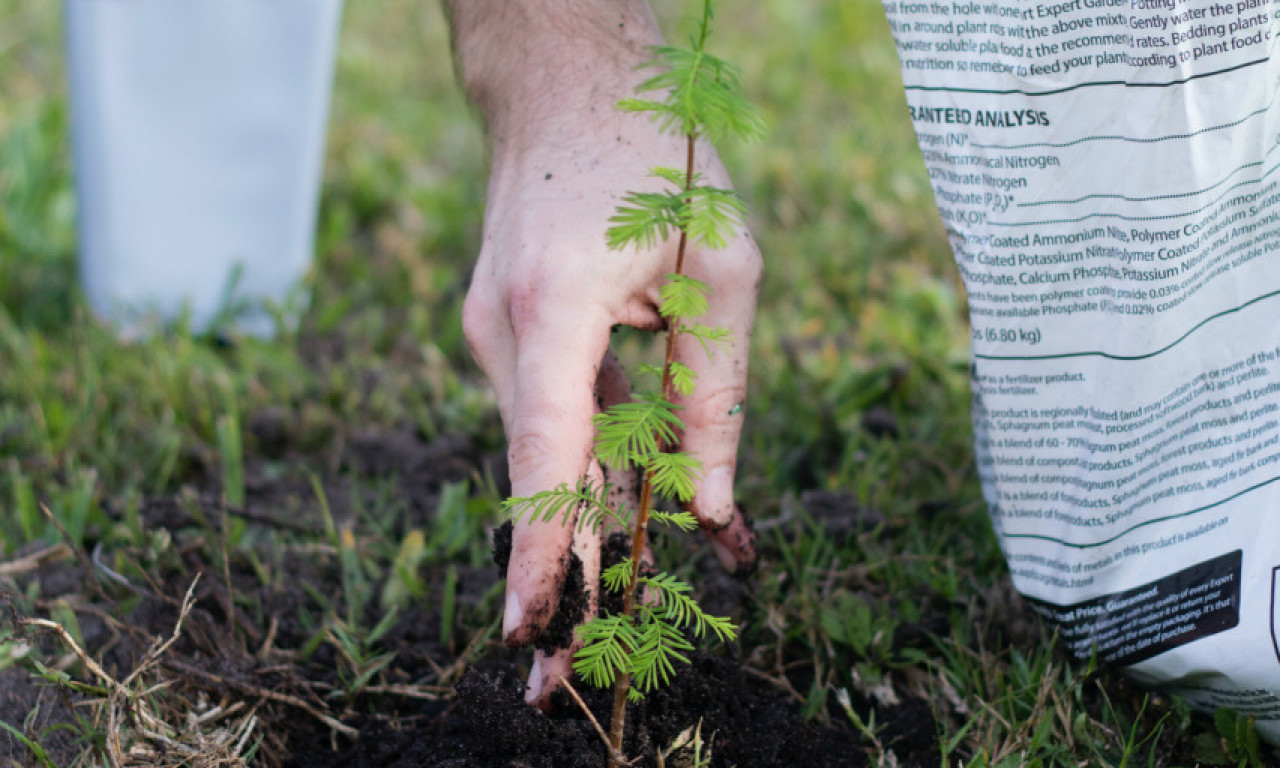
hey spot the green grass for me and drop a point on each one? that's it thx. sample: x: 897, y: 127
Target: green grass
x: 860, y: 307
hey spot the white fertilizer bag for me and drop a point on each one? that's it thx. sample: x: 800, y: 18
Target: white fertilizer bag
x: 198, y: 130
x: 1106, y: 170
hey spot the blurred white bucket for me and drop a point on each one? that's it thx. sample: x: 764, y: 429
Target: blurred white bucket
x: 198, y: 129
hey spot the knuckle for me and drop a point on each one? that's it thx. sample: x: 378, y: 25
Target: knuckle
x: 526, y: 298
x: 544, y: 454
x: 714, y: 407
x: 477, y: 319
x: 527, y: 453
x: 738, y: 268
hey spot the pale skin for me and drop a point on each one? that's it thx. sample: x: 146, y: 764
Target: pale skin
x: 546, y: 290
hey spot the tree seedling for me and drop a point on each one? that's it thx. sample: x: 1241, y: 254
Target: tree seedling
x: 697, y: 96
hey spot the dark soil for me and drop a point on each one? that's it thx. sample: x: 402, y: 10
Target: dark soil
x: 452, y: 695
x: 572, y: 608
x: 489, y: 724
x: 839, y: 514
x: 38, y: 709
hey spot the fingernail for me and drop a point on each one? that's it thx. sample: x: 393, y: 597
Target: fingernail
x: 513, y: 615
x: 716, y: 502
x: 725, y: 555
x: 534, y: 688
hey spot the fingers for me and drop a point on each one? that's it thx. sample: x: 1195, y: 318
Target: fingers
x: 734, y: 544
x: 550, y: 664
x: 545, y: 674
x: 487, y: 327
x: 558, y: 349
x: 540, y: 337
x: 713, y: 413
x: 612, y: 388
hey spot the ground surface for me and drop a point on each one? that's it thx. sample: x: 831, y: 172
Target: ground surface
x: 430, y: 706
x: 334, y: 489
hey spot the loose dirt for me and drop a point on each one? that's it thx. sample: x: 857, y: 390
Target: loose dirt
x: 446, y: 698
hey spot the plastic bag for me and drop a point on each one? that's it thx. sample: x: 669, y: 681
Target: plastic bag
x: 1106, y: 170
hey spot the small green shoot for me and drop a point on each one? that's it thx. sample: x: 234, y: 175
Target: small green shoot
x: 693, y: 751
x: 38, y: 752
x: 231, y: 452
x: 448, y: 605
x: 695, y: 96
x: 357, y: 650
x: 404, y: 585
x: 1237, y: 742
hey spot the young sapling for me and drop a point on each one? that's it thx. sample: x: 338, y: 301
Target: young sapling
x: 696, y: 96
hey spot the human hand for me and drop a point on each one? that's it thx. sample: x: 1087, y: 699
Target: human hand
x: 546, y: 291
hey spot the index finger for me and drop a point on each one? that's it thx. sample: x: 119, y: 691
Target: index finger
x: 550, y: 445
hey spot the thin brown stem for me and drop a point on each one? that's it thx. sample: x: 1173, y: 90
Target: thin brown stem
x: 639, y: 533
x: 616, y: 757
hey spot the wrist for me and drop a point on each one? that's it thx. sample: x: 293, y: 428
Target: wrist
x: 537, y: 69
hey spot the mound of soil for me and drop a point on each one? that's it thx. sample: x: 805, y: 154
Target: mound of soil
x: 440, y: 701
x: 743, y: 722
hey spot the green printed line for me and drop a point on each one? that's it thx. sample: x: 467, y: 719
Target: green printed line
x: 1128, y: 358
x: 1122, y: 217
x: 1174, y: 196
x: 1126, y: 532
x: 1131, y: 139
x: 1093, y: 84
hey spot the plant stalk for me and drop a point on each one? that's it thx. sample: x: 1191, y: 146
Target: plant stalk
x: 618, y: 720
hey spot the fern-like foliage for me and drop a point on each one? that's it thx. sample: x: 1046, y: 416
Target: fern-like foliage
x: 591, y: 506
x: 629, y: 434
x: 617, y: 577
x: 685, y: 521
x: 674, y: 474
x: 648, y: 369
x: 703, y: 93
x: 683, y: 378
x: 703, y: 96
x: 681, y: 610
x: 658, y: 644
x: 646, y: 645
x: 645, y: 218
x: 709, y: 215
x: 708, y: 337
x: 683, y: 297
x: 609, y: 643
x: 675, y: 176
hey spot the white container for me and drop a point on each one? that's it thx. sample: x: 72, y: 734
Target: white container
x: 198, y: 129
